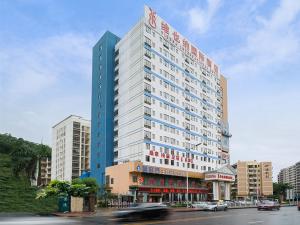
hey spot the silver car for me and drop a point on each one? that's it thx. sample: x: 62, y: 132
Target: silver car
x: 216, y: 206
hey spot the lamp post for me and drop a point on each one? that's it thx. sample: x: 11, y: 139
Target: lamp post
x: 187, y: 182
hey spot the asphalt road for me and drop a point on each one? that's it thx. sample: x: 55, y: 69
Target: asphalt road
x: 285, y: 216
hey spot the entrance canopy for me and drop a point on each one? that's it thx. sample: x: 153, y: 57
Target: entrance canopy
x: 225, y: 174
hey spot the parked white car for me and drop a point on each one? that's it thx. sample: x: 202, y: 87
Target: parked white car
x: 216, y: 206
x: 199, y: 205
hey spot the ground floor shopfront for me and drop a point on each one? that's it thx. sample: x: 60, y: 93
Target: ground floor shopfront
x: 155, y: 184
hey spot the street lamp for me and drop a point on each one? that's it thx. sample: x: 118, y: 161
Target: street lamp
x: 187, y: 182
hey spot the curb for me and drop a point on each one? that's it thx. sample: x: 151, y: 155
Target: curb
x: 70, y: 214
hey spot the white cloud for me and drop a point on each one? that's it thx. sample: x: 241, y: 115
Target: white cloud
x: 42, y: 81
x: 276, y: 41
x: 200, y: 19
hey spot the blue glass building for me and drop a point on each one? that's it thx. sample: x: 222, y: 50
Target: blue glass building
x: 102, y: 105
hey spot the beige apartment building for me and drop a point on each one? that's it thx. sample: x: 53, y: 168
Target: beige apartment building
x: 254, y: 179
x: 45, y: 176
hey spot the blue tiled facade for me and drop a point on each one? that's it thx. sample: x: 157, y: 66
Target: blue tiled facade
x: 102, y: 106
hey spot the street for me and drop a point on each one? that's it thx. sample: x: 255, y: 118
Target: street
x: 285, y: 216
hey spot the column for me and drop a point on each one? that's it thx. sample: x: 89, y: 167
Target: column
x: 227, y: 191
x: 145, y: 197
x: 134, y: 196
x: 198, y: 198
x: 215, y: 190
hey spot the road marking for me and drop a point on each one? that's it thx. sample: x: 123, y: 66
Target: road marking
x: 178, y: 220
x: 255, y: 222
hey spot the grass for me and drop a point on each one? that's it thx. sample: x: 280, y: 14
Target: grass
x: 16, y: 194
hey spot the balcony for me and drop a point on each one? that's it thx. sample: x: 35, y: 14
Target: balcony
x: 187, y: 61
x: 147, y: 101
x: 187, y: 128
x: 148, y: 55
x: 147, y: 67
x: 187, y: 79
x: 188, y: 119
x: 147, y: 137
x: 186, y: 70
x: 204, y: 82
x: 187, y: 90
x: 147, y: 44
x: 147, y: 90
x: 187, y: 99
x: 187, y: 108
x: 187, y: 138
x: 147, y: 113
x: 147, y: 126
x: 166, y: 45
x: 147, y: 77
x: 226, y: 134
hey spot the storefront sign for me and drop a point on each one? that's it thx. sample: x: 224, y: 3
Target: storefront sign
x: 171, y: 190
x: 219, y: 177
x: 165, y: 171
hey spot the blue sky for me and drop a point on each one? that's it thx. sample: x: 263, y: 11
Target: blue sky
x: 45, y: 64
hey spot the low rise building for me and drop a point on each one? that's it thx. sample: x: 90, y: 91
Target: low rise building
x: 144, y: 183
x: 253, y: 179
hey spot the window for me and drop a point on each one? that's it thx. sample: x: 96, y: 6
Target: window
x: 167, y: 161
x: 147, y: 123
x: 111, y: 180
x: 148, y: 64
x: 147, y: 158
x: 147, y: 135
x: 148, y: 29
x: 148, y: 41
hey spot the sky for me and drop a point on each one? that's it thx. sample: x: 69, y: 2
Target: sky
x: 46, y: 53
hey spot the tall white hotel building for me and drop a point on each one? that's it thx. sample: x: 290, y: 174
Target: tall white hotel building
x: 159, y: 114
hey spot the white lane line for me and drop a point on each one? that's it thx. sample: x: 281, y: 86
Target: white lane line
x: 33, y: 222
x: 255, y: 222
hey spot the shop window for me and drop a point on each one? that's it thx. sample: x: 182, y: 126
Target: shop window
x: 134, y: 179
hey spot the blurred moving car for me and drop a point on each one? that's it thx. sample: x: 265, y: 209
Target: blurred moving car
x: 216, y: 206
x: 299, y: 206
x: 268, y: 205
x: 143, y: 211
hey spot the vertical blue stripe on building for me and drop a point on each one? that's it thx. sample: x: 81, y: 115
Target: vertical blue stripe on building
x: 102, y: 125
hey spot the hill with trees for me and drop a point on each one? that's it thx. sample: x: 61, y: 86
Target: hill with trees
x: 19, y: 163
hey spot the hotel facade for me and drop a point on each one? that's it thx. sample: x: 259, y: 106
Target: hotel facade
x: 159, y: 116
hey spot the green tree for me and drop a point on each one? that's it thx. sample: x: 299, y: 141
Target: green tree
x: 279, y: 190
